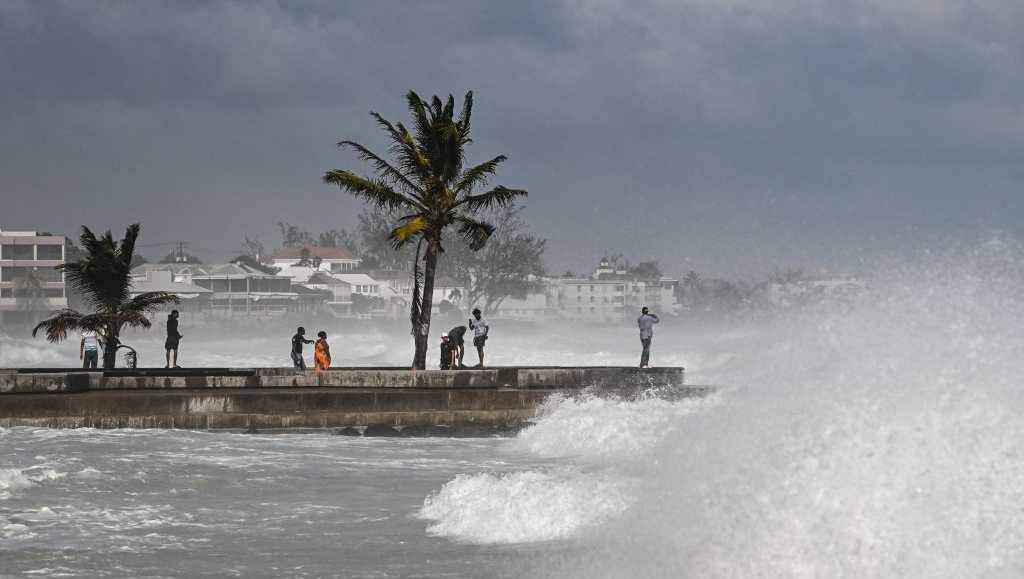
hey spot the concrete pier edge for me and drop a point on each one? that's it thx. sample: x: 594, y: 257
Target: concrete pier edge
x: 356, y: 401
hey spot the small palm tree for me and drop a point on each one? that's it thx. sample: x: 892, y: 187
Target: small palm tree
x: 102, y: 277
x: 429, y: 188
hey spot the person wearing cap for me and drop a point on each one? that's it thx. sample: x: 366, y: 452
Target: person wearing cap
x: 646, y: 322
x: 447, y: 352
x: 480, y: 331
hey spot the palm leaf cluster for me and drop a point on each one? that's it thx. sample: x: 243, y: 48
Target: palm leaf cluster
x: 428, y: 186
x: 103, y: 278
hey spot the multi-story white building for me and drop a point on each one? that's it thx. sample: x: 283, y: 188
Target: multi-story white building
x: 29, y: 280
x: 611, y: 296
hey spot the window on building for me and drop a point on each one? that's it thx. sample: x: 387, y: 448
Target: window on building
x: 50, y: 252
x: 238, y: 285
x: 43, y: 274
x: 17, y: 252
x: 6, y: 292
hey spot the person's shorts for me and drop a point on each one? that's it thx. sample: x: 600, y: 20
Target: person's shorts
x: 479, y: 341
x: 171, y: 345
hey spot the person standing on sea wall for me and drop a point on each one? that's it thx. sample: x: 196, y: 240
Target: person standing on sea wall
x: 646, y: 322
x: 480, y: 331
x: 89, y: 350
x: 322, y: 352
x: 297, y: 341
x: 173, y: 338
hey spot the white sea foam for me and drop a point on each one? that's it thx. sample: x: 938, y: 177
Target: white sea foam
x: 603, y: 430
x: 879, y: 438
x: 13, y: 479
x: 523, y: 506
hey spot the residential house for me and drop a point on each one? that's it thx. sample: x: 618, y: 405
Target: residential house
x: 234, y: 289
x: 301, y: 262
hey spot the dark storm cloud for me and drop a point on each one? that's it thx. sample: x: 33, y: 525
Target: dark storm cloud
x: 723, y: 136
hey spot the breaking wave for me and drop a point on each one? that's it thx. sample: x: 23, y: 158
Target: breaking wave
x: 876, y: 437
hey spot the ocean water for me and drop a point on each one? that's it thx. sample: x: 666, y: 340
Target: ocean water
x: 879, y: 436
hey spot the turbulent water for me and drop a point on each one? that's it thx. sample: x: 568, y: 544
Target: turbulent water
x: 877, y: 437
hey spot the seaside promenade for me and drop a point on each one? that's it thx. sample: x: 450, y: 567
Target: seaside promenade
x: 355, y: 401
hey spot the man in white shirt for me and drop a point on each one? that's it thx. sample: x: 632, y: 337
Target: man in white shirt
x: 646, y: 322
x: 89, y: 349
x: 480, y: 329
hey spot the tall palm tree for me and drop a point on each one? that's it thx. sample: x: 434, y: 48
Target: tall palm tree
x: 428, y: 188
x: 102, y: 277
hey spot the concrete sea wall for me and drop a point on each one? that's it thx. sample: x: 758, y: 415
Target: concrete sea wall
x: 370, y: 401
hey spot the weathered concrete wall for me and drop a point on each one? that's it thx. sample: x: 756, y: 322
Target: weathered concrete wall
x: 37, y: 381
x: 353, y: 401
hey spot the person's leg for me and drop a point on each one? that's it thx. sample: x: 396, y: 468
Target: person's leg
x: 167, y: 353
x: 174, y: 358
x: 460, y: 350
x: 645, y: 356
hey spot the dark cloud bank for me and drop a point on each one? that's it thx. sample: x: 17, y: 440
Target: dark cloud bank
x: 725, y: 136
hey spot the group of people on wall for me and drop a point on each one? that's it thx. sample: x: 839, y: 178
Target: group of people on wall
x: 453, y: 347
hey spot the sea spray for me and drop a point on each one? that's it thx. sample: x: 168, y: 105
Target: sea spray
x: 879, y: 437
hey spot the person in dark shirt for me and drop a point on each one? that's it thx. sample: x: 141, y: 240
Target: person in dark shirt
x: 447, y: 353
x: 297, y: 341
x: 173, y: 337
x: 457, y: 338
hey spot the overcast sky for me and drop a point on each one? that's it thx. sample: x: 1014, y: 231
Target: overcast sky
x: 729, y: 137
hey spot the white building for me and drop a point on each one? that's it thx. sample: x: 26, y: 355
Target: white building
x: 310, y: 258
x: 29, y: 280
x: 232, y: 289
x: 612, y: 296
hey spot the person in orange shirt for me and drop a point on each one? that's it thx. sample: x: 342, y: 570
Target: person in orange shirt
x: 322, y: 352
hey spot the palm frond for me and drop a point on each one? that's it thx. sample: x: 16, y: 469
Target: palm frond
x: 126, y: 250
x: 478, y: 175
x: 59, y: 324
x: 373, y: 191
x: 414, y: 225
x: 474, y: 232
x: 150, y: 301
x: 384, y: 169
x: 102, y: 275
x: 465, y: 115
x: 497, y: 197
x: 135, y: 319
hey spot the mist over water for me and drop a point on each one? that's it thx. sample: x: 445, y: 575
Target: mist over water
x: 873, y: 438
x: 877, y: 436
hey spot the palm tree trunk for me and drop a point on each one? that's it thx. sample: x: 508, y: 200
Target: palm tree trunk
x: 111, y: 340
x: 422, y: 332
